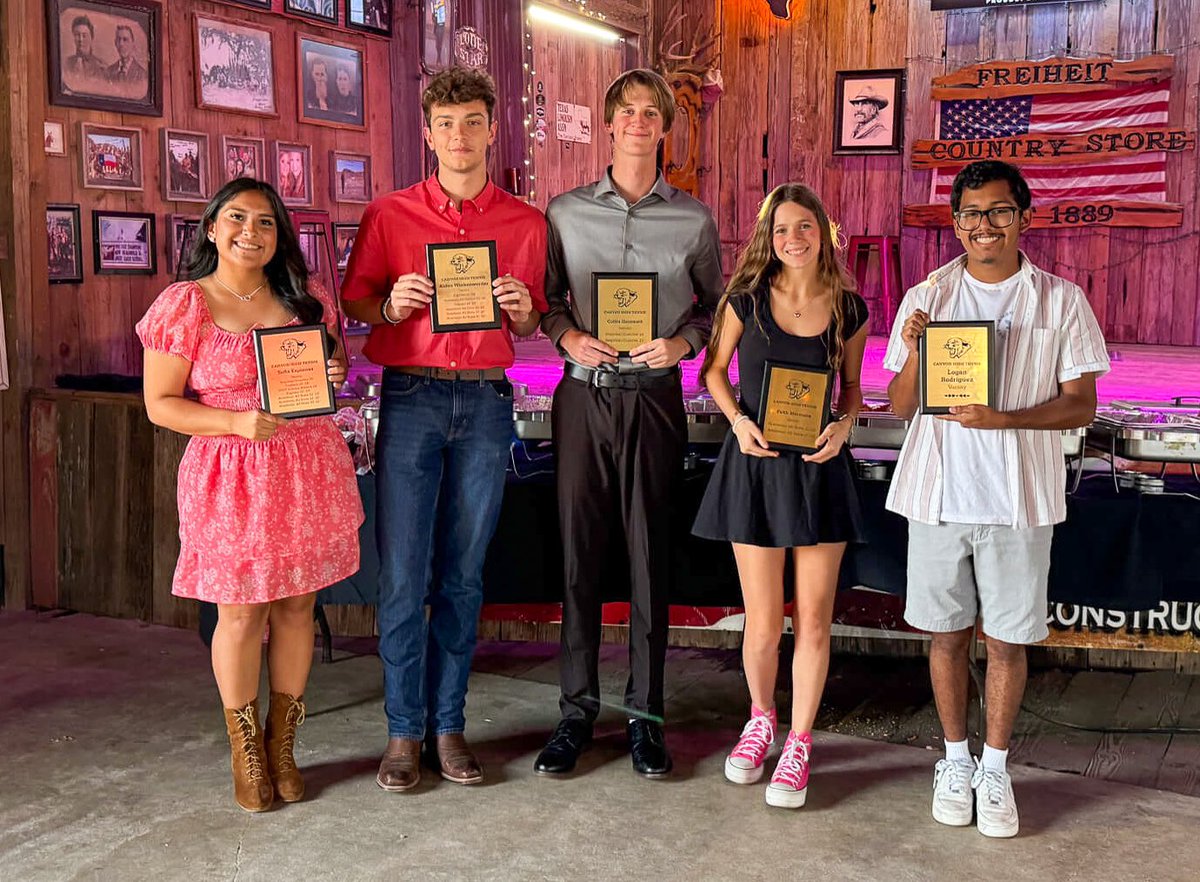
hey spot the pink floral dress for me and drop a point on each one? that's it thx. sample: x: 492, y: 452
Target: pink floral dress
x: 258, y: 520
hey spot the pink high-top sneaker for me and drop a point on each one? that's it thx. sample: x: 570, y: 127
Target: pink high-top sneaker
x: 789, y: 784
x: 744, y: 765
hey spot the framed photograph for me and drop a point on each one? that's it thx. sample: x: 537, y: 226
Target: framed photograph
x: 868, y: 112
x: 64, y: 260
x: 123, y: 243
x: 293, y: 173
x: 437, y: 33
x: 243, y: 157
x: 311, y: 235
x: 182, y: 230
x: 111, y: 157
x: 54, y: 140
x: 185, y: 175
x: 105, y: 56
x: 373, y: 16
x: 350, y: 175
x: 235, y: 67
x: 330, y: 81
x: 254, y: 4
x: 320, y: 10
x: 343, y: 244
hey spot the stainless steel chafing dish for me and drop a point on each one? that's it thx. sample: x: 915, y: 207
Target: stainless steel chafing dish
x: 1148, y: 433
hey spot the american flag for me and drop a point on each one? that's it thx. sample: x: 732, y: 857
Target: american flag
x: 1139, y: 178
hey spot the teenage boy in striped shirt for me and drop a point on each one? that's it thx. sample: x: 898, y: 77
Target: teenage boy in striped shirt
x: 982, y: 487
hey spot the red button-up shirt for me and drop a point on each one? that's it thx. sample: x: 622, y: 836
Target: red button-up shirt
x: 391, y: 242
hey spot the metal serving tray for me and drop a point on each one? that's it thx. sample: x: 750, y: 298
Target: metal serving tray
x: 1148, y: 434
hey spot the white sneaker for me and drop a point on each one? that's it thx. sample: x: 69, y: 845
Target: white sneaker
x: 995, y: 806
x: 953, y: 802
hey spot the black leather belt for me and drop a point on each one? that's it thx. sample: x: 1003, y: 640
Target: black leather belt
x: 471, y: 376
x: 613, y: 380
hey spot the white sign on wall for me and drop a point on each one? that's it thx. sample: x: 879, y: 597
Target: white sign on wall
x: 573, y: 122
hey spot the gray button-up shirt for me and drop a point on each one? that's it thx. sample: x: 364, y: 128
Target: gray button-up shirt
x: 593, y: 229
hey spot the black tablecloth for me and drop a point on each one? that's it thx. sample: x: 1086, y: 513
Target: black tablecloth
x: 1119, y: 551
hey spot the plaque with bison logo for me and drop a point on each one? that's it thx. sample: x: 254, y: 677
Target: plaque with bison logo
x: 625, y: 309
x: 462, y: 274
x: 957, y: 361
x: 292, y: 377
x: 794, y: 409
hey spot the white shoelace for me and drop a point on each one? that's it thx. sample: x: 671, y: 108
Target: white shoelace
x: 757, y: 737
x: 957, y: 778
x: 993, y: 785
x: 791, y: 768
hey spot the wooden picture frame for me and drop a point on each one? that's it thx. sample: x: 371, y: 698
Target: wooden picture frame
x: 331, y: 83
x: 242, y: 83
x: 438, y: 20
x: 324, y: 11
x: 295, y: 181
x: 868, y: 112
x: 179, y: 239
x: 350, y: 177
x: 64, y: 244
x: 371, y: 16
x: 104, y: 55
x: 110, y: 157
x: 123, y: 243
x: 185, y: 174
x: 54, y: 138
x: 343, y: 244
x: 243, y: 157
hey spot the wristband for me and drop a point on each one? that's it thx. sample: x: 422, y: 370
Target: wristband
x: 383, y: 305
x: 740, y: 417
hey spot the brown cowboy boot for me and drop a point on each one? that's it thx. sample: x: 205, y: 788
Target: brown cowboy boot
x: 400, y: 768
x: 458, y: 763
x: 251, y: 784
x: 285, y: 713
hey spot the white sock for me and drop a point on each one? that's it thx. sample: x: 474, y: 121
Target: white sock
x: 959, y: 751
x: 994, y: 759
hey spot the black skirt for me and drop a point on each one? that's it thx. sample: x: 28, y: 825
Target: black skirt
x: 780, y: 502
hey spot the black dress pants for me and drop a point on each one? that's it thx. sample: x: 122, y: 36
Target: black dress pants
x: 619, y: 458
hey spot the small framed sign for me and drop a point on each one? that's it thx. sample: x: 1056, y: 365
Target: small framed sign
x: 625, y: 309
x: 957, y: 365
x: 293, y: 379
x: 463, y: 297
x: 794, y: 409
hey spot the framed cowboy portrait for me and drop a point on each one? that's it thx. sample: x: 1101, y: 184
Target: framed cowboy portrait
x: 868, y: 112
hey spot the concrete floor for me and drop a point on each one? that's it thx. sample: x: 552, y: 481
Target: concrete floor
x: 114, y: 765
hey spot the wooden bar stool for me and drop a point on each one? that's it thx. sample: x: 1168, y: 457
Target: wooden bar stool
x: 883, y: 310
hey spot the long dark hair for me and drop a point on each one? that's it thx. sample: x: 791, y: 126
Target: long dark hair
x: 757, y: 265
x: 286, y: 271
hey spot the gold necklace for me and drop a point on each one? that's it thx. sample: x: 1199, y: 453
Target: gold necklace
x: 245, y: 298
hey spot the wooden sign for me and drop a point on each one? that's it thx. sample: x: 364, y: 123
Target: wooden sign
x: 1068, y: 215
x: 1002, y: 79
x: 1054, y: 149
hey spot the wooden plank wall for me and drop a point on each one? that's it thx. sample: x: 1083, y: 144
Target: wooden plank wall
x: 88, y: 328
x: 779, y: 78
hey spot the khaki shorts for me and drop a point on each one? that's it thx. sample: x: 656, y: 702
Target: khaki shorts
x: 957, y: 572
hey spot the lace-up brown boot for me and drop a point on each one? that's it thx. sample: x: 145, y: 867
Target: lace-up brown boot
x: 283, y: 716
x: 251, y: 784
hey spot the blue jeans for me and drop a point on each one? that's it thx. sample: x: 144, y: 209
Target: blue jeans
x: 441, y: 454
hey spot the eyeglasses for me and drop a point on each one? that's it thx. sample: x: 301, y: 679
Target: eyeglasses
x: 998, y: 218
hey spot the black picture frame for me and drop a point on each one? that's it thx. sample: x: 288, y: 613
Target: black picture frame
x: 769, y: 367
x: 64, y: 259
x: 263, y: 334
x: 264, y: 5
x: 89, y: 79
x: 438, y: 21
x: 101, y: 238
x: 342, y: 111
x: 313, y: 9
x: 496, y: 323
x: 652, y: 278
x: 182, y: 230
x: 883, y: 131
x: 343, y: 243
x: 364, y: 15
x: 923, y: 354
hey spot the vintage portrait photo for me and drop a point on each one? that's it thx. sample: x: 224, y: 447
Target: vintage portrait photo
x: 123, y: 242
x: 234, y: 67
x: 370, y: 15
x: 437, y: 29
x: 105, y: 56
x: 321, y: 10
x: 293, y: 173
x: 243, y: 158
x: 330, y: 83
x: 111, y: 157
x: 64, y: 258
x: 351, y: 177
x: 185, y: 166
x: 869, y: 114
x: 311, y: 235
x: 343, y: 244
x: 182, y: 230
x: 54, y: 140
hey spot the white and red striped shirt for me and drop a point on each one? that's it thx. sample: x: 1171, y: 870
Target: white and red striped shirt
x: 1054, y: 339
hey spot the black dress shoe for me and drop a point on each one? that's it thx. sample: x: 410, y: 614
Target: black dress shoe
x: 562, y: 751
x: 648, y: 749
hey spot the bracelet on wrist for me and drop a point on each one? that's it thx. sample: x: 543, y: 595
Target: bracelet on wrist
x: 733, y: 426
x: 383, y: 311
